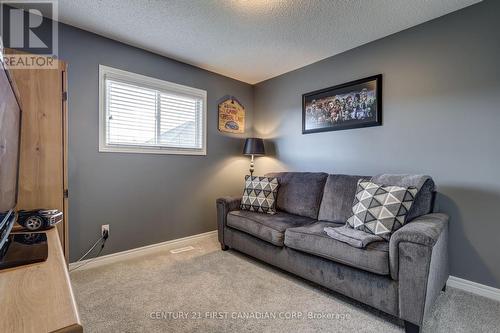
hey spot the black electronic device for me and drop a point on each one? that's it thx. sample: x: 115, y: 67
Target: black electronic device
x: 15, y: 249
x: 23, y: 249
x: 10, y: 128
x: 5, y: 228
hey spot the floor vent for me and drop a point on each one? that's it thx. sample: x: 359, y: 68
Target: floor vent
x: 182, y: 249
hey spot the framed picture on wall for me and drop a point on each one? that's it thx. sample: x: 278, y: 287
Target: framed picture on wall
x: 350, y: 105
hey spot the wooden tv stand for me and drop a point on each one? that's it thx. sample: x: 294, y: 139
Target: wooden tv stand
x: 38, y: 297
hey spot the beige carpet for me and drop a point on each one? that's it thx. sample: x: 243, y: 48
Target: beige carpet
x: 168, y: 292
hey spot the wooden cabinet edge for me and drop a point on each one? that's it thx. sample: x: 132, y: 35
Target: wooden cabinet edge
x: 68, y: 281
x: 75, y: 328
x: 64, y: 74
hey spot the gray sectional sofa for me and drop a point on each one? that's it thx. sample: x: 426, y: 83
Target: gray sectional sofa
x: 401, y: 277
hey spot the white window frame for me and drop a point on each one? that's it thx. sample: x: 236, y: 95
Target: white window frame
x: 151, y: 83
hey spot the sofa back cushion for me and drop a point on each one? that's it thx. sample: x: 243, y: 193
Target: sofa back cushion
x: 338, y: 196
x: 300, y: 193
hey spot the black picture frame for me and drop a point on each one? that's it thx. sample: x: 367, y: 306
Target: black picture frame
x: 343, y: 110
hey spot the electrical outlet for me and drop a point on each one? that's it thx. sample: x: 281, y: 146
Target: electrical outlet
x: 104, y: 227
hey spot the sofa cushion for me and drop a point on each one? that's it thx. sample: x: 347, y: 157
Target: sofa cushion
x: 300, y: 193
x: 270, y: 228
x: 314, y: 240
x: 336, y: 205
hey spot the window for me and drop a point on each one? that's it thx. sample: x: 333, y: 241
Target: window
x: 139, y: 114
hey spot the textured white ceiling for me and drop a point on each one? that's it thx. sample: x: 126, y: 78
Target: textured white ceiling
x: 250, y: 40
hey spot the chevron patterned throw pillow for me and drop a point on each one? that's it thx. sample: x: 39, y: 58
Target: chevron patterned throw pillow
x: 260, y: 194
x: 380, y: 210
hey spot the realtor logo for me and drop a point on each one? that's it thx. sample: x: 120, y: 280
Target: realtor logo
x: 29, y: 30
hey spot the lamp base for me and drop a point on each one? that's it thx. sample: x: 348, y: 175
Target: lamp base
x: 252, y: 164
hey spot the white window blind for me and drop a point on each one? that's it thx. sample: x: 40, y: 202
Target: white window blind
x: 146, y: 115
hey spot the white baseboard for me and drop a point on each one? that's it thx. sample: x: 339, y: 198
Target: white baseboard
x: 474, y: 288
x: 140, y: 251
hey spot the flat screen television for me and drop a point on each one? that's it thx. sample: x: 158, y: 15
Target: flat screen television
x: 10, y: 128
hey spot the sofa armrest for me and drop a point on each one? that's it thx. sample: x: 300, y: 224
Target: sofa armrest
x: 424, y: 230
x: 229, y: 203
x: 418, y: 257
x: 224, y: 206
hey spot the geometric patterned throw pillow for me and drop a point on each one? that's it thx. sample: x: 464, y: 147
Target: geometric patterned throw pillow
x: 380, y: 210
x: 260, y: 194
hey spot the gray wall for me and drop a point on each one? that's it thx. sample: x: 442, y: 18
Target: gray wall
x: 441, y: 117
x: 145, y: 198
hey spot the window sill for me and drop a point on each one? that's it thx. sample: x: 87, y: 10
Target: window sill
x: 157, y: 151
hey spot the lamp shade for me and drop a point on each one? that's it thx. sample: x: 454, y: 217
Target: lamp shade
x: 254, y: 146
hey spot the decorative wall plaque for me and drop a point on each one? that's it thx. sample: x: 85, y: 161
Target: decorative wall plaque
x: 231, y: 115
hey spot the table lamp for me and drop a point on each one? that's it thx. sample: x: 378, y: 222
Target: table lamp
x: 253, y: 146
